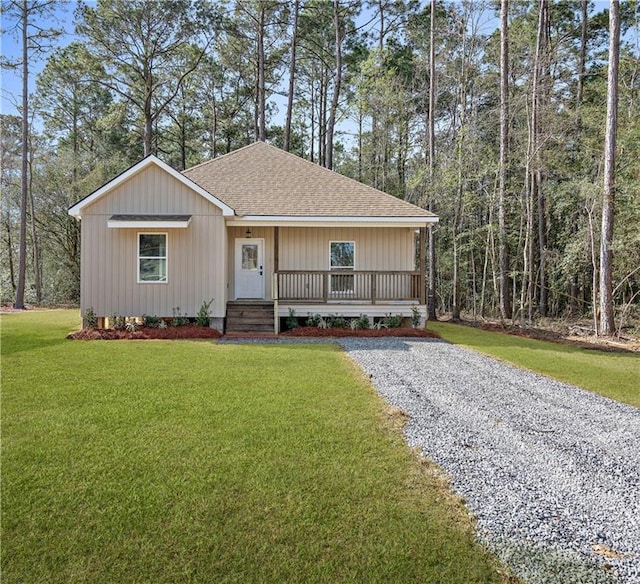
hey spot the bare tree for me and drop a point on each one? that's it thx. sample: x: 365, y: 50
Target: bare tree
x: 292, y: 74
x: 336, y: 83
x: 34, y: 39
x: 503, y: 258
x: 431, y: 255
x: 607, y: 325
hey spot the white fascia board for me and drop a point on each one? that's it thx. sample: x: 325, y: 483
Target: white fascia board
x: 148, y: 224
x: 76, y: 210
x: 328, y: 221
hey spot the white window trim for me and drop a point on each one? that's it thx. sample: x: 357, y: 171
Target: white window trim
x: 354, y: 255
x: 166, y: 257
x: 341, y: 269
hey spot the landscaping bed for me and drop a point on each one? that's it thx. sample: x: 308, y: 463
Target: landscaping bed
x: 312, y: 331
x: 177, y: 332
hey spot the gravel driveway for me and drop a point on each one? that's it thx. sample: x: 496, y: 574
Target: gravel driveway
x: 551, y: 472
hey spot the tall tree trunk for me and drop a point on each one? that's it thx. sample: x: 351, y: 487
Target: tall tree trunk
x: 262, y: 128
x: 607, y: 326
x: 292, y: 76
x: 431, y: 255
x: 503, y: 257
x: 541, y: 97
x: 24, y: 184
x: 336, y: 85
x: 35, y: 244
x: 574, y: 285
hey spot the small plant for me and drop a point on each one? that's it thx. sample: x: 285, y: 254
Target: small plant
x: 353, y: 324
x: 379, y: 325
x: 90, y: 318
x: 163, y: 324
x: 362, y: 322
x: 203, y: 318
x: 151, y: 321
x: 131, y: 326
x: 119, y: 322
x: 336, y: 321
x: 178, y: 319
x: 392, y: 321
x: 416, y: 317
x: 314, y: 320
x: 292, y: 319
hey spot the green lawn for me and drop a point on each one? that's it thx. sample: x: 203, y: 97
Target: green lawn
x: 615, y: 375
x: 161, y: 461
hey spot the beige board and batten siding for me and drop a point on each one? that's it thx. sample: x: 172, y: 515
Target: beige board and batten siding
x: 376, y: 248
x: 196, y: 255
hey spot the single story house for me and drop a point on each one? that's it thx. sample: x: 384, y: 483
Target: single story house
x: 258, y: 231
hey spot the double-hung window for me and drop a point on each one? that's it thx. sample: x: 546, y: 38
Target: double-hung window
x: 152, y: 257
x: 342, y: 261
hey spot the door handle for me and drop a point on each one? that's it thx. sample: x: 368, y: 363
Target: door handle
x: 261, y: 270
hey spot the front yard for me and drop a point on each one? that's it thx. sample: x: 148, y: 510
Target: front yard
x: 188, y: 461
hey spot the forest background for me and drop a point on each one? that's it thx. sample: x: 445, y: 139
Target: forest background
x: 368, y: 88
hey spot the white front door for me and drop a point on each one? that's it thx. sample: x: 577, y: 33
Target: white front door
x: 249, y: 267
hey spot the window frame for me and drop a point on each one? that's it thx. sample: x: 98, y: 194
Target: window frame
x: 341, y: 270
x: 332, y: 267
x: 165, y: 257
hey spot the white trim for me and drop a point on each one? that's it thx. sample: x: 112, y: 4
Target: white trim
x: 333, y: 268
x: 353, y: 267
x: 76, y: 210
x: 166, y: 257
x: 149, y: 224
x: 322, y: 221
x: 350, y: 309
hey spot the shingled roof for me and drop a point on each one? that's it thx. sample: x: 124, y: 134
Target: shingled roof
x: 262, y: 180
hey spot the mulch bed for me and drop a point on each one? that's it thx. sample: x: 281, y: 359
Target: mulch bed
x: 310, y: 331
x: 176, y: 332
x: 199, y: 332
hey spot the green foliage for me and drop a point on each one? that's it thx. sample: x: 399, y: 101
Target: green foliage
x: 178, y: 319
x: 315, y: 320
x: 392, y: 320
x: 90, y: 318
x: 337, y: 321
x: 362, y: 322
x: 203, y: 318
x: 118, y: 322
x: 131, y: 326
x: 151, y: 321
x: 292, y: 319
x: 415, y: 316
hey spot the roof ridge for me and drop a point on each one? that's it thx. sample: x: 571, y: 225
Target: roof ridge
x: 226, y: 155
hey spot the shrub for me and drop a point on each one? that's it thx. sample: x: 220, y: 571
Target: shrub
x: 203, y: 318
x: 415, y: 316
x: 119, y: 322
x: 90, y: 318
x: 131, y: 326
x: 314, y: 320
x: 292, y: 320
x: 151, y: 321
x: 336, y: 321
x: 178, y: 319
x: 362, y: 322
x: 392, y: 321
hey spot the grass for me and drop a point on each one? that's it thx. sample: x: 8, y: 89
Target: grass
x: 614, y: 375
x: 187, y: 461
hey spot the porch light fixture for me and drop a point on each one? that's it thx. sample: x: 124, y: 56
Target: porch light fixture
x: 248, y: 232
